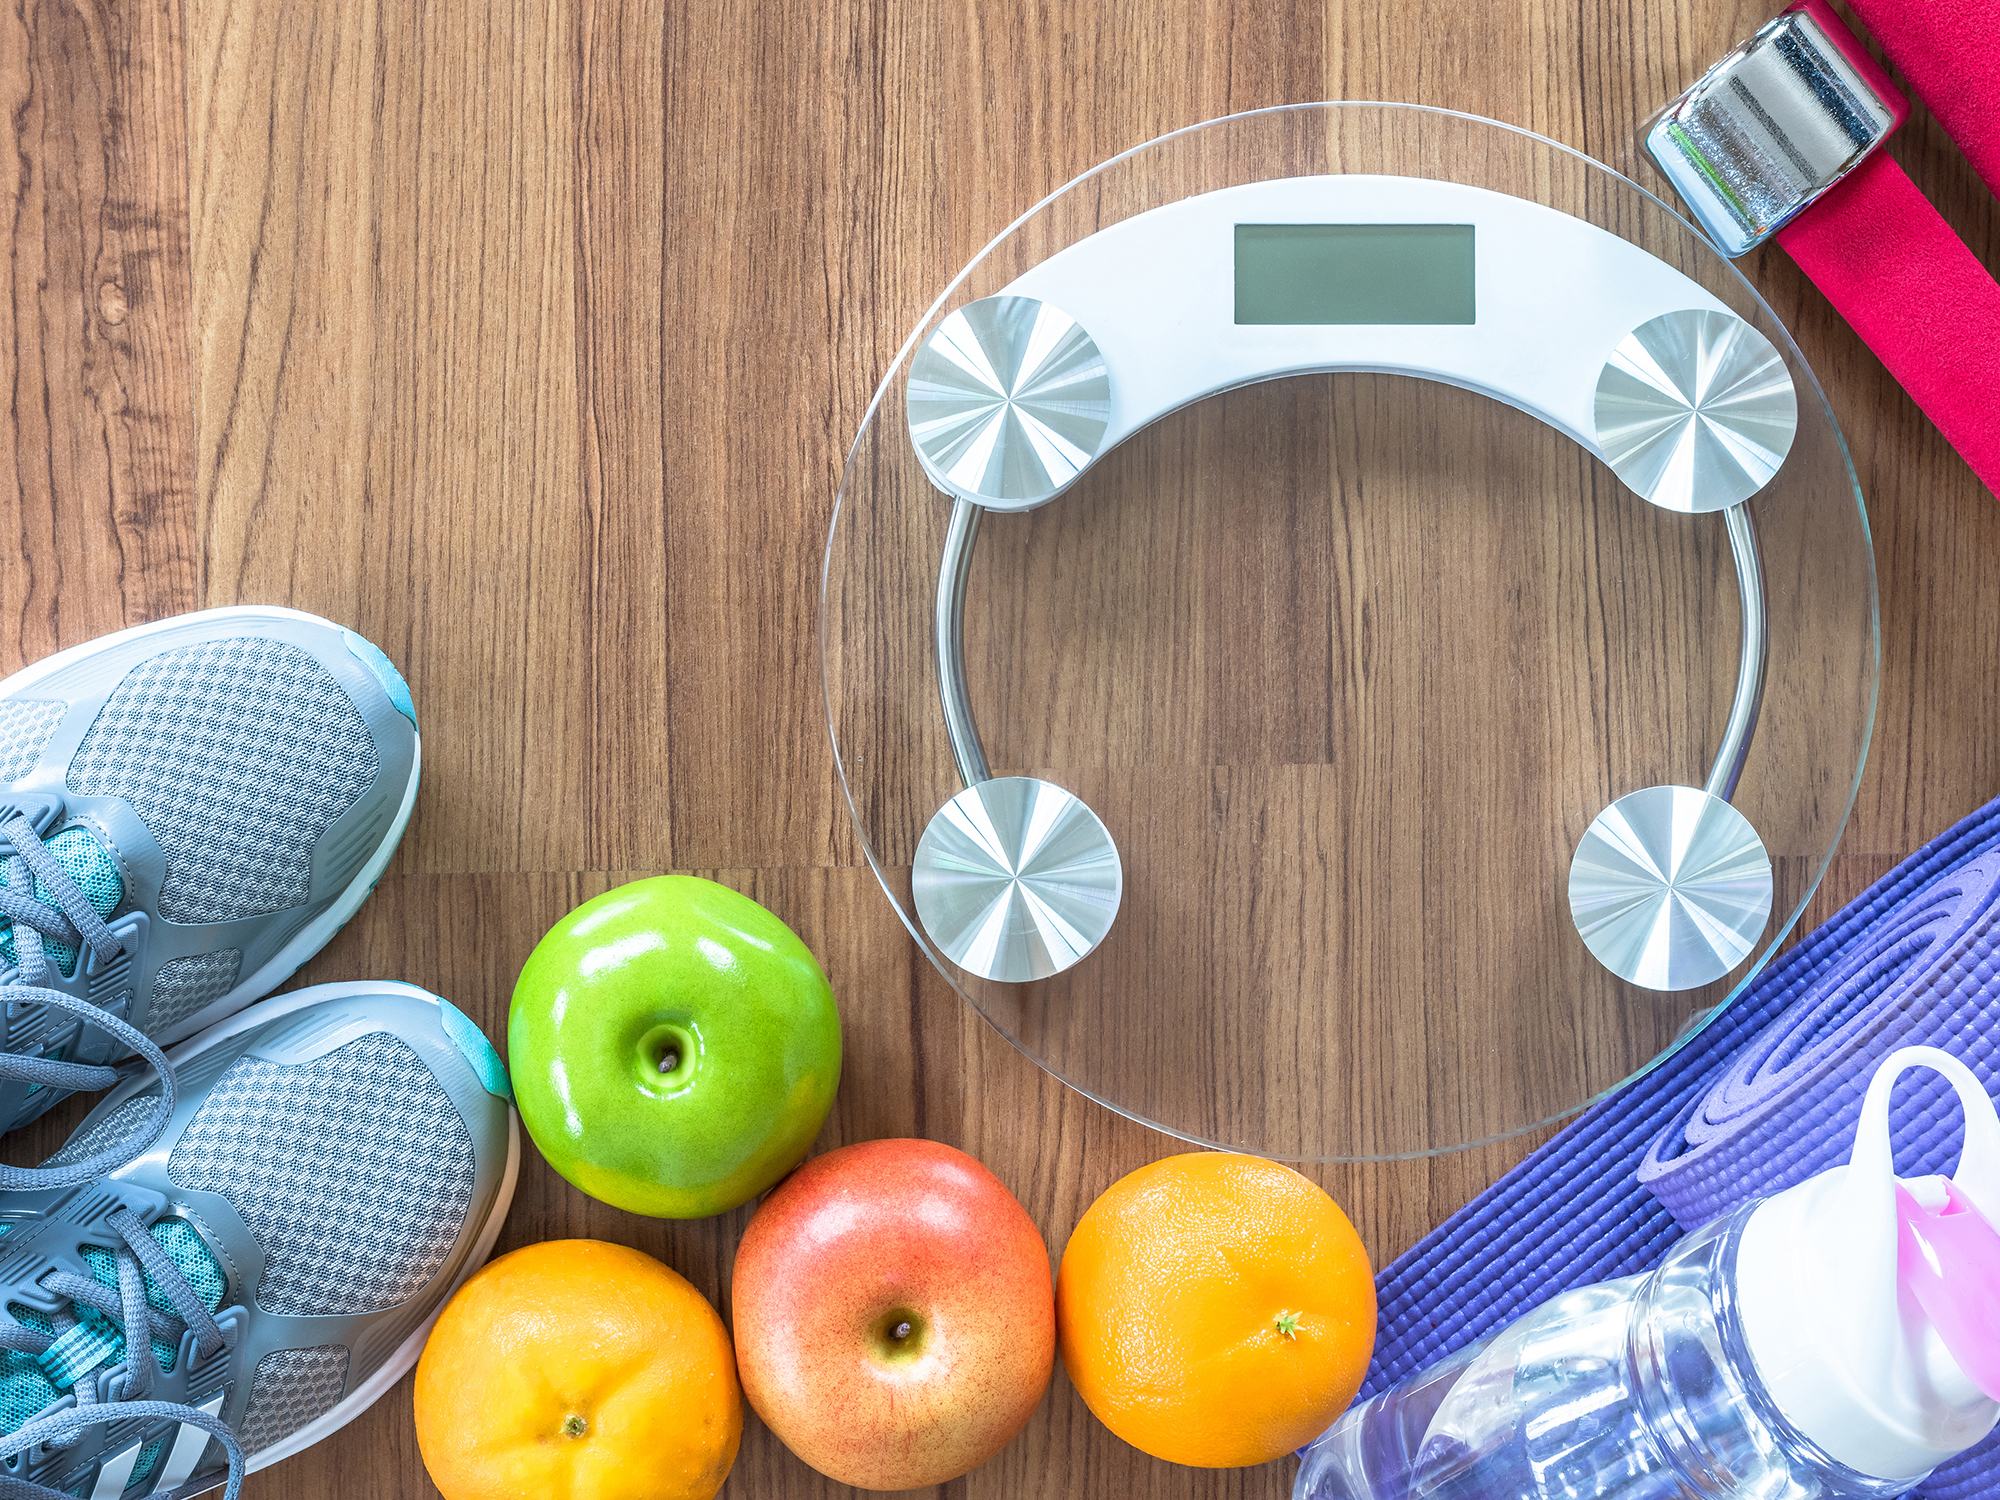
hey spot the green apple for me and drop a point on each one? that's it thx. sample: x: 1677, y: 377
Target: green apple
x: 674, y: 1047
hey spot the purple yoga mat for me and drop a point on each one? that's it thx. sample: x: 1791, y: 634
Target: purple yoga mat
x: 1784, y: 1107
x: 1913, y: 959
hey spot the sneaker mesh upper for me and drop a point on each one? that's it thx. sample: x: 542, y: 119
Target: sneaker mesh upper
x: 292, y: 1387
x: 25, y: 1390
x: 190, y: 1257
x: 115, y: 1126
x: 25, y: 727
x: 184, y: 985
x: 237, y: 754
x: 149, y: 1455
x: 354, y: 1172
x: 91, y: 867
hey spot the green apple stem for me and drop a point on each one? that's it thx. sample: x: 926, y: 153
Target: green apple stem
x: 574, y: 1426
x: 667, y: 1056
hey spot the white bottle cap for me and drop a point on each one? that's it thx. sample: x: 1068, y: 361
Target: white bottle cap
x: 1847, y: 1354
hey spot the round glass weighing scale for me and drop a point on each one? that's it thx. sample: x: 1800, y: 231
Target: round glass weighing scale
x: 1349, y: 632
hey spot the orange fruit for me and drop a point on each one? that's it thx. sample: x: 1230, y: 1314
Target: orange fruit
x: 579, y: 1369
x: 1215, y: 1310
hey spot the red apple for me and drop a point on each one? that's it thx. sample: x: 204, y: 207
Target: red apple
x: 895, y: 1317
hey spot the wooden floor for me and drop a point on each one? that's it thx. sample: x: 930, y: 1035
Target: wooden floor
x: 528, y: 338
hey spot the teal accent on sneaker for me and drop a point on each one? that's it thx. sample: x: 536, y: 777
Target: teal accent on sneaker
x: 477, y: 1050
x: 192, y: 1259
x: 24, y: 1389
x: 148, y: 1457
x: 28, y: 1384
x: 372, y: 656
x: 76, y: 1353
x: 90, y: 865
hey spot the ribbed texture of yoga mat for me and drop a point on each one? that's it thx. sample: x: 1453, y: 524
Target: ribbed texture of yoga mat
x: 1784, y: 1107
x: 1575, y: 1212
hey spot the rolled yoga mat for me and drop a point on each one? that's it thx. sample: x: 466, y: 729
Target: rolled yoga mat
x: 1783, y: 1108
x: 1764, y: 1097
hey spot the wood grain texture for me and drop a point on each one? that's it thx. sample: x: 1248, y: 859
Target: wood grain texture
x: 530, y: 338
x: 96, y: 442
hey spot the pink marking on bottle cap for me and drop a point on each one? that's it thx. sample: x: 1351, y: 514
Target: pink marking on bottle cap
x: 1950, y: 1261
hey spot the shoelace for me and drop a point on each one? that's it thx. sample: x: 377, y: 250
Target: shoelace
x: 138, y: 1256
x: 67, y: 917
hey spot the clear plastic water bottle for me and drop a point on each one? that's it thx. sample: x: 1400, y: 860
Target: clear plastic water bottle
x: 1781, y: 1353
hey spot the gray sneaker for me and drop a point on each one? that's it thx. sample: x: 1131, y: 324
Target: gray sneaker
x: 339, y: 1161
x: 189, y: 810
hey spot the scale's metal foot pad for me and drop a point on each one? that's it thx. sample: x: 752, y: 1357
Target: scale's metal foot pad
x: 1016, y: 879
x: 1670, y: 887
x: 1009, y: 399
x: 1695, y: 410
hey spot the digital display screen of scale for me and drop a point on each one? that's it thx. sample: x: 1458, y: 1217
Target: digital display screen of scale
x: 1354, y: 273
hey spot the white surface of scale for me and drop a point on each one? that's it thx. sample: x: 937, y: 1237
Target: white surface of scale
x: 1553, y: 295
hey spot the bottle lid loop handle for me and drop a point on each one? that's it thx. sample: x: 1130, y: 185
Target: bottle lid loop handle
x: 1946, y: 1257
x: 1978, y: 1176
